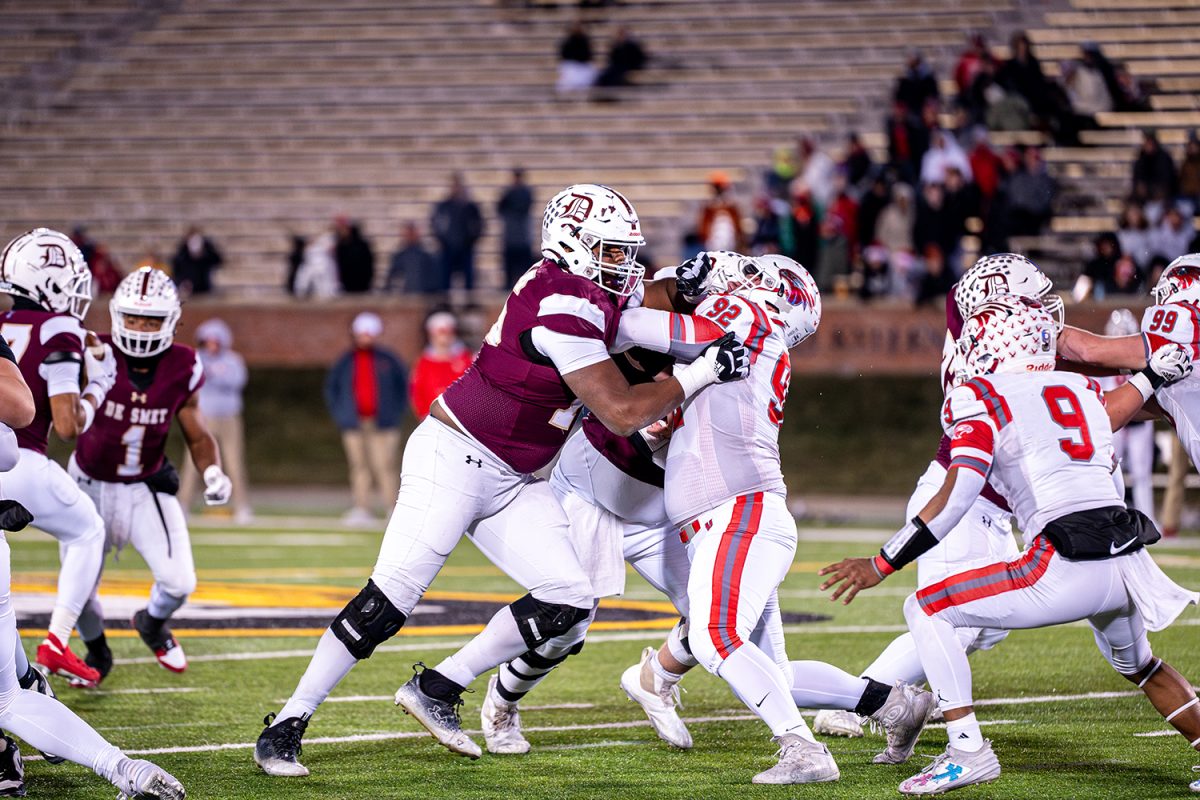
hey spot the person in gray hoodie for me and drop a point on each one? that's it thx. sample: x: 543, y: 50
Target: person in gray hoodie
x: 221, y: 405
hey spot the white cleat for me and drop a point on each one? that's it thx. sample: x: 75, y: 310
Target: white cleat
x: 954, y: 769
x: 830, y: 722
x: 903, y: 717
x: 800, y: 761
x: 1195, y: 785
x: 277, y: 751
x: 141, y: 780
x: 501, y: 722
x: 438, y: 717
x: 658, y: 699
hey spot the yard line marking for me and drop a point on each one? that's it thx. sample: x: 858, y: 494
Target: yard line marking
x: 1157, y: 733
x: 374, y: 698
x: 590, y: 745
x: 164, y: 690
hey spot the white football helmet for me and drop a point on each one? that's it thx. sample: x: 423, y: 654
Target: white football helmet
x: 1006, y: 273
x: 46, y: 267
x: 1121, y: 323
x: 1179, y: 282
x: 593, y: 231
x: 145, y: 292
x: 779, y: 285
x: 1007, y: 333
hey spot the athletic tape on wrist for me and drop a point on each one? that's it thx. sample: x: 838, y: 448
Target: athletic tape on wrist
x: 1142, y: 383
x: 694, y: 377
x: 89, y: 412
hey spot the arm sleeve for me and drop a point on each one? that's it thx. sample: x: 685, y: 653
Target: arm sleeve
x: 683, y: 336
x: 62, y: 377
x: 569, y: 353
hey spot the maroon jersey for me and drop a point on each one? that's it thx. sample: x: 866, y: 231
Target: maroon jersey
x: 954, y: 326
x: 127, y: 441
x: 512, y: 399
x: 40, y: 340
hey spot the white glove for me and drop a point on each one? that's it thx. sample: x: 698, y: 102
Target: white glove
x: 723, y: 361
x: 1168, y: 364
x: 217, y: 486
x: 101, y: 370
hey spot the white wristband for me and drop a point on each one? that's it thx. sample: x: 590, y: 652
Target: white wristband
x: 695, y: 376
x: 1142, y: 384
x: 89, y: 412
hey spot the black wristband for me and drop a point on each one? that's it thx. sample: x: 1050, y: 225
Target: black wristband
x: 1156, y: 380
x: 6, y: 351
x: 911, y: 542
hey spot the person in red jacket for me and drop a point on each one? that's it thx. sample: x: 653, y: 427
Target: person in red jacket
x: 444, y: 360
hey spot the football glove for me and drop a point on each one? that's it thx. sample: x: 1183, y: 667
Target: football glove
x: 723, y: 361
x: 101, y: 369
x: 691, y: 278
x: 217, y: 486
x: 1168, y: 364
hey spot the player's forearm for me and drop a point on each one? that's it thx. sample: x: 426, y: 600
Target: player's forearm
x: 1124, y: 405
x: 1114, y: 352
x: 939, y: 516
x: 204, y: 452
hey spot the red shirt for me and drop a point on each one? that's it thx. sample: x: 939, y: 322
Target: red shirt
x: 432, y: 375
x: 366, y: 384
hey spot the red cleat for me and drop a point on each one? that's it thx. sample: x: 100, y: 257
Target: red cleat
x: 59, y: 660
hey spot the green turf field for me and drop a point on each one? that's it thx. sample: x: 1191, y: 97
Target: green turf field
x: 589, y: 740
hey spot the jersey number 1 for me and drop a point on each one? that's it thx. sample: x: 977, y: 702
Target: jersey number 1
x: 1065, y: 410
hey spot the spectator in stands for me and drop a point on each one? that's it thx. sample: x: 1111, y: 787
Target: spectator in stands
x: 973, y: 59
x: 1131, y: 95
x: 895, y: 228
x: 844, y: 208
x: 962, y: 203
x: 413, y: 269
x: 907, y: 141
x: 833, y: 255
x: 874, y: 280
x: 366, y: 391
x: 1154, y: 176
x: 1189, y: 171
x: 1098, y: 272
x: 772, y: 215
x: 1031, y: 193
x: 935, y: 223
x: 295, y: 258
x: 782, y: 171
x: 575, y: 70
x: 221, y: 404
x: 1022, y: 74
x: 444, y: 359
x: 816, y: 171
x: 987, y: 169
x: 977, y: 97
x: 317, y: 276
x: 1133, y: 232
x: 1006, y: 110
x: 720, y: 222
x: 1087, y: 84
x: 856, y: 163
x: 943, y: 153
x: 874, y: 201
x: 804, y: 226
x: 458, y: 225
x: 355, y: 257
x: 195, y: 259
x: 1173, y: 235
x: 513, y: 208
x: 106, y: 273
x: 625, y: 57
x: 917, y: 84
x: 1127, y: 278
x: 936, y: 278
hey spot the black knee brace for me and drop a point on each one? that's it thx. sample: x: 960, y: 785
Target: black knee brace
x: 367, y: 621
x: 539, y: 622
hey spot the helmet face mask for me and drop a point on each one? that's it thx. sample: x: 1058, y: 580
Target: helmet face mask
x: 593, y: 231
x: 144, y: 294
x: 1007, y: 334
x: 777, y: 284
x: 1179, y: 282
x: 46, y: 268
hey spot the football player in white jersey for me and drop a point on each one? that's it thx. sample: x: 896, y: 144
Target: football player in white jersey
x: 1044, y: 437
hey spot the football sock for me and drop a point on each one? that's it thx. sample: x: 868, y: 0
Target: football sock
x: 518, y: 677
x: 964, y: 734
x: 81, y: 559
x: 759, y: 683
x: 942, y: 656
x: 816, y: 684
x: 497, y: 643
x: 330, y: 663
x: 163, y: 605
x: 664, y: 674
x: 59, y: 626
x: 91, y: 620
x: 98, y: 646
x: 873, y: 698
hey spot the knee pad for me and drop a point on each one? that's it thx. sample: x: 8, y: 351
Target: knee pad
x: 367, y: 621
x: 539, y: 621
x: 179, y: 585
x: 13, y: 516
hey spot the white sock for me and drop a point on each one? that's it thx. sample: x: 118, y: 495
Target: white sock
x: 942, y: 656
x: 759, y: 683
x: 62, y: 620
x: 53, y: 728
x: 964, y: 734
x: 163, y: 605
x: 816, y: 684
x: 665, y: 675
x: 331, y: 662
x: 497, y: 643
x: 81, y: 561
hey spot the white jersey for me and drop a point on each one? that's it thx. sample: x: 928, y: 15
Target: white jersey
x: 1047, y: 444
x: 1179, y: 323
x: 727, y: 442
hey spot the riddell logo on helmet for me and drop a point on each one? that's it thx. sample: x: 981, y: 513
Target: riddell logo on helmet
x: 53, y: 256
x: 578, y: 209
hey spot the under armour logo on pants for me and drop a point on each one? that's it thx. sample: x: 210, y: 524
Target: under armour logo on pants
x: 478, y: 462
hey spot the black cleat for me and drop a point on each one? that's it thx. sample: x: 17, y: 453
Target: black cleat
x: 278, y: 749
x: 12, y: 769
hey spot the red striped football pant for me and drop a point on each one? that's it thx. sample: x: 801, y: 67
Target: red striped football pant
x: 740, y: 552
x: 1037, y: 590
